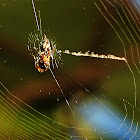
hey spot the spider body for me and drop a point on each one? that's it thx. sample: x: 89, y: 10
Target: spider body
x: 44, y: 56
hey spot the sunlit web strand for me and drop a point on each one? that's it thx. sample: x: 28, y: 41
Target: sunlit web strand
x: 126, y: 15
x: 137, y: 4
x: 36, y: 121
x: 137, y: 18
x: 124, y: 51
x: 128, y: 39
x: 92, y: 54
x: 135, y: 92
x: 35, y: 15
x: 127, y: 63
x: 125, y: 55
x: 124, y: 46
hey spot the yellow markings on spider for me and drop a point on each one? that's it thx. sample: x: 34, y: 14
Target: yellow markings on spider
x: 44, y: 56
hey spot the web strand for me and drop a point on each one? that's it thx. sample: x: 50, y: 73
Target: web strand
x: 37, y: 24
x: 87, y: 54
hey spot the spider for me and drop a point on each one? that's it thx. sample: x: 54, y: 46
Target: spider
x: 44, y: 56
x: 47, y: 54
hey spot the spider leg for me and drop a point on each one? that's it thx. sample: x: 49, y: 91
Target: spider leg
x: 56, y: 63
x: 58, y: 60
x: 31, y: 51
x: 52, y: 62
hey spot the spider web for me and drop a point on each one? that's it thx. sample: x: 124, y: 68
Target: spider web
x: 100, y: 100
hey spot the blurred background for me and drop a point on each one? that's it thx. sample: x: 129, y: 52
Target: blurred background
x: 94, y: 88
